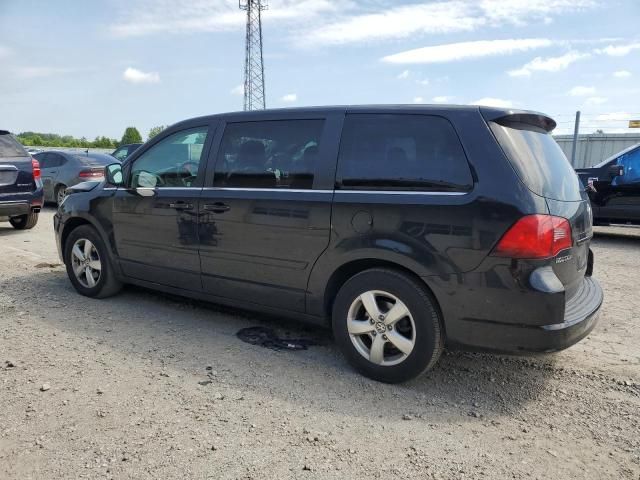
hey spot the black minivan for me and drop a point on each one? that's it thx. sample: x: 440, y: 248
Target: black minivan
x: 407, y: 228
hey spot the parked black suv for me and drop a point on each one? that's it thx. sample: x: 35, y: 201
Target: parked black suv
x: 614, y: 187
x: 411, y: 228
x: 20, y: 184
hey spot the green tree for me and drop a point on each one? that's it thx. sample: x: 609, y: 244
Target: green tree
x: 131, y: 135
x: 155, y: 131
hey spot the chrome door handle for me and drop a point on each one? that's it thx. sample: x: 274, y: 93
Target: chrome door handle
x: 180, y: 205
x: 217, y: 207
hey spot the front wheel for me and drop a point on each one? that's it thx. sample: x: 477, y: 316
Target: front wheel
x: 24, y: 222
x: 387, y: 325
x: 88, y: 265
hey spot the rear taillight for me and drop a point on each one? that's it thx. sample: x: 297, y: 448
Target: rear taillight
x: 35, y: 165
x: 535, y: 236
x: 93, y: 173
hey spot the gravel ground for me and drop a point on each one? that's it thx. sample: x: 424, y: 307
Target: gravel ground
x: 144, y: 385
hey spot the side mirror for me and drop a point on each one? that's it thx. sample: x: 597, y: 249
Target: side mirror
x: 616, y: 171
x: 113, y: 174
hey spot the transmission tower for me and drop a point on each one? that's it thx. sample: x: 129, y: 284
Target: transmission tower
x: 253, y: 63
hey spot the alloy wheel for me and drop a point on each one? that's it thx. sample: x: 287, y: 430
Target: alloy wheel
x: 62, y: 193
x: 86, y: 263
x: 381, y: 328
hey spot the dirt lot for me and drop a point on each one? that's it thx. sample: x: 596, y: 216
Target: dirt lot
x: 148, y: 386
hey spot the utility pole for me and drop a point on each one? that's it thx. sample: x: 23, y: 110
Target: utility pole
x: 576, y: 130
x: 254, y: 98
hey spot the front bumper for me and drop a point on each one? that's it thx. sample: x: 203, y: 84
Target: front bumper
x: 580, y: 316
x: 57, y: 230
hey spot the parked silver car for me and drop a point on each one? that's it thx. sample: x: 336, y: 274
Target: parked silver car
x: 61, y: 170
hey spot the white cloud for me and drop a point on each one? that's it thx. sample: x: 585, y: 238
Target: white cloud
x: 595, y: 100
x: 418, y: 100
x: 580, y: 91
x: 493, y: 102
x: 397, y: 22
x: 550, y: 64
x: 442, y: 99
x: 424, y: 82
x: 618, y: 50
x: 402, y: 75
x: 437, y: 17
x: 133, y: 75
x: 622, y: 74
x: 147, y: 17
x: 238, y: 90
x: 465, y: 50
x: 289, y: 98
x: 521, y: 12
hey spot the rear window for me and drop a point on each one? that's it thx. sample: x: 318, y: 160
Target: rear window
x: 10, y: 147
x: 538, y: 160
x: 401, y: 152
x: 93, y: 159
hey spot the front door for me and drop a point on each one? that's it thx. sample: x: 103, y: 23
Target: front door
x: 619, y: 197
x: 155, y: 219
x: 262, y: 224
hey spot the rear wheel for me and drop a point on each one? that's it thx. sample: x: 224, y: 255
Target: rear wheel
x: 61, y: 193
x: 387, y: 325
x: 88, y: 265
x: 24, y: 222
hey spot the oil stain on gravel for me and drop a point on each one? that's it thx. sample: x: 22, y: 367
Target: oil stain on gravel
x: 267, y: 337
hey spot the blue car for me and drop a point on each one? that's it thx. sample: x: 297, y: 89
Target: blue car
x: 614, y: 187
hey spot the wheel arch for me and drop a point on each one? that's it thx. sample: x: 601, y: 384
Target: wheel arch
x: 77, y: 221
x: 347, y: 270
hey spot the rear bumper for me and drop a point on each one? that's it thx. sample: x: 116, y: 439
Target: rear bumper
x: 13, y: 208
x: 580, y: 316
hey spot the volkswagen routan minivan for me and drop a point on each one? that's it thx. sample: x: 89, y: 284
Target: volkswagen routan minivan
x: 408, y: 229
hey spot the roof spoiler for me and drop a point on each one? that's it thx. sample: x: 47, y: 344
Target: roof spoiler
x: 507, y: 117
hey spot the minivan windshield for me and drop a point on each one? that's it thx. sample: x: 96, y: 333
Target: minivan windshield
x: 539, y: 161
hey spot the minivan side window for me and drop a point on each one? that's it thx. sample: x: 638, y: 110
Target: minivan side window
x: 269, y: 154
x: 174, y: 162
x: 401, y: 152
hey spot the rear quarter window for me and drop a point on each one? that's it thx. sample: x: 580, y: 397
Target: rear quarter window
x: 10, y: 147
x: 401, y: 152
x: 538, y: 160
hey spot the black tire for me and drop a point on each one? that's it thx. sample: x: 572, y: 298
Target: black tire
x: 427, y: 337
x: 56, y: 199
x: 107, y: 284
x: 24, y: 222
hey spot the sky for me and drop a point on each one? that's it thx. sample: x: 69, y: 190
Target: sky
x: 89, y: 68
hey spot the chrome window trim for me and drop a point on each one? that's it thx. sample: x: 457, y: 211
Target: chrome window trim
x: 383, y: 192
x: 403, y: 192
x: 238, y: 189
x: 300, y: 190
